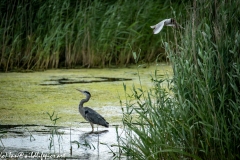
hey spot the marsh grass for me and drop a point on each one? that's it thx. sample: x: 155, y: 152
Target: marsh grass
x: 54, y: 133
x: 64, y: 33
x: 197, y: 115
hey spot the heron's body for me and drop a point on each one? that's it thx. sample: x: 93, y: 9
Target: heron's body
x: 89, y: 114
x: 166, y: 22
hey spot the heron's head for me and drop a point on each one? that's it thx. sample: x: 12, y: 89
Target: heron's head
x: 84, y: 92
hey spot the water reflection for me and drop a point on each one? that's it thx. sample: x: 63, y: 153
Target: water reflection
x: 75, y: 143
x: 90, y: 142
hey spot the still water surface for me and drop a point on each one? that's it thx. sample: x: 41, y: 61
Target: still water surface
x: 26, y: 98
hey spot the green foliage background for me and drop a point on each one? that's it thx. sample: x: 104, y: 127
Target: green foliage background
x: 39, y: 34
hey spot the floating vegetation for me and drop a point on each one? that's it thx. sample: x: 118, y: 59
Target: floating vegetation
x: 62, y: 81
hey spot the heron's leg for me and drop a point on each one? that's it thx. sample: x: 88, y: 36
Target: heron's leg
x: 92, y: 127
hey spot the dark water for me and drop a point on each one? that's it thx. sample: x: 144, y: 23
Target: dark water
x: 61, y: 81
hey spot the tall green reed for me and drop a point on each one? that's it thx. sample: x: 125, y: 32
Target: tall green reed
x: 205, y: 79
x: 195, y: 115
x: 64, y: 33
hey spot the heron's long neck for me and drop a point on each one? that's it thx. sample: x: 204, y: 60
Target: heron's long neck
x: 83, y: 101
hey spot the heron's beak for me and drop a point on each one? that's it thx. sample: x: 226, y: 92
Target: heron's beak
x: 79, y: 90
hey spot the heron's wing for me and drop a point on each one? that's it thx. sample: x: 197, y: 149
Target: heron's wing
x: 95, y: 117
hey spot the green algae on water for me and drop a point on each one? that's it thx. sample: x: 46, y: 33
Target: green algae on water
x: 23, y: 100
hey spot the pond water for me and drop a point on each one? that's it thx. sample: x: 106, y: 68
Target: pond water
x: 66, y: 143
x: 27, y: 100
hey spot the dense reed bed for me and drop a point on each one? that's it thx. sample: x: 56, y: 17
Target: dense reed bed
x: 199, y: 117
x: 64, y: 33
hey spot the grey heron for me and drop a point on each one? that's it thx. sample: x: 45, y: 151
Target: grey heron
x: 89, y: 114
x: 166, y: 22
